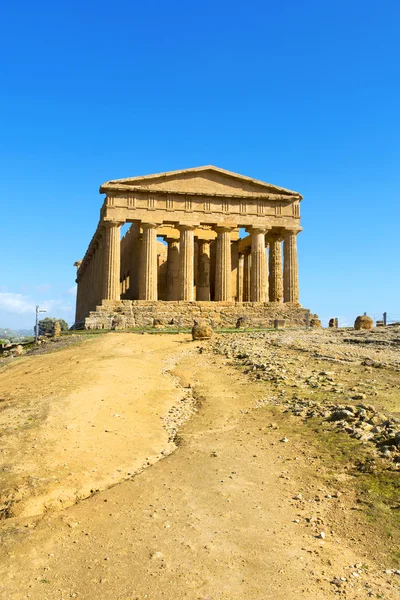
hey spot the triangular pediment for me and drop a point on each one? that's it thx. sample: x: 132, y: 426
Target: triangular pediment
x: 208, y: 180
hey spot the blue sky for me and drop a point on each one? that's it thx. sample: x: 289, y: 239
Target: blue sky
x: 305, y: 95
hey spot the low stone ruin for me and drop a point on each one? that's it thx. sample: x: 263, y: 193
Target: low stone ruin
x: 315, y: 323
x: 363, y: 322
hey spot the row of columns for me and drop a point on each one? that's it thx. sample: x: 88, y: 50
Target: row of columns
x: 254, y: 284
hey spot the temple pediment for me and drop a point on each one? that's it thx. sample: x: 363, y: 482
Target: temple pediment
x: 208, y: 180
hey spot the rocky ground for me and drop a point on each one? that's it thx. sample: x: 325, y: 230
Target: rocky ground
x: 265, y: 467
x: 358, y: 394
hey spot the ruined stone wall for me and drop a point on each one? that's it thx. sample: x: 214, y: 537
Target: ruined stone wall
x: 142, y: 313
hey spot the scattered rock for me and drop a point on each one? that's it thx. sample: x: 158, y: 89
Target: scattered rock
x: 202, y: 331
x: 363, y: 322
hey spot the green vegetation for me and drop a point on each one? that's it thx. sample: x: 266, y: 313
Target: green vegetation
x: 46, y: 326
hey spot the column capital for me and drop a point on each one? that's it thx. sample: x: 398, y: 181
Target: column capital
x: 257, y: 229
x: 275, y: 236
x: 286, y: 232
x: 223, y: 228
x: 172, y: 242
x: 186, y: 226
x: 113, y: 223
x: 149, y: 225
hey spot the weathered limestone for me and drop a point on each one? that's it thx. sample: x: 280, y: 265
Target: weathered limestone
x: 111, y: 268
x: 186, y: 284
x: 202, y: 331
x: 203, y: 271
x: 148, y: 271
x: 173, y: 269
x: 247, y: 275
x: 363, y: 322
x: 258, y: 270
x: 138, y: 313
x: 275, y: 268
x: 205, y: 204
x: 223, y: 265
x: 240, y: 278
x: 290, y: 272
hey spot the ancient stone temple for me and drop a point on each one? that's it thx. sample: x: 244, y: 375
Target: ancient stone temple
x: 183, y: 256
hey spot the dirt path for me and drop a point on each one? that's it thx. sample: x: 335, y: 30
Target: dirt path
x: 217, y: 519
x: 82, y: 419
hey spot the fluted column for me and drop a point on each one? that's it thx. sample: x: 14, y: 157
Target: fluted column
x: 275, y: 268
x: 203, y: 271
x: 246, y: 275
x: 223, y: 265
x: 240, y: 278
x: 186, y: 263
x: 148, y: 264
x: 258, y: 272
x: 173, y: 269
x: 290, y: 271
x: 112, y: 261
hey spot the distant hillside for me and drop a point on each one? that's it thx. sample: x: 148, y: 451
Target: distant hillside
x: 12, y: 334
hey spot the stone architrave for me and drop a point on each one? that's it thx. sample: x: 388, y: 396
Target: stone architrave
x: 203, y: 271
x: 172, y: 269
x: 148, y: 267
x: 186, y: 262
x: 223, y: 265
x: 275, y: 268
x: 112, y: 260
x: 258, y: 271
x: 290, y: 271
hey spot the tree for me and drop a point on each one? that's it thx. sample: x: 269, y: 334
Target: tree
x: 46, y: 326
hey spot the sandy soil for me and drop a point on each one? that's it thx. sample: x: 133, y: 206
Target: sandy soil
x: 70, y: 417
x: 246, y: 507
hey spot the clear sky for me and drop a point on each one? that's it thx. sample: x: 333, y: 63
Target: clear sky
x: 302, y: 94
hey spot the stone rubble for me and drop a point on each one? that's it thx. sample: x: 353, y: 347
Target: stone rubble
x: 263, y: 355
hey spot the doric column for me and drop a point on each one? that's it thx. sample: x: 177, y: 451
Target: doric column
x: 275, y: 268
x: 173, y: 269
x: 203, y: 271
x: 258, y: 272
x: 223, y: 266
x: 135, y: 261
x: 246, y: 275
x: 112, y: 261
x: 148, y: 264
x: 240, y: 278
x: 186, y: 263
x: 290, y: 271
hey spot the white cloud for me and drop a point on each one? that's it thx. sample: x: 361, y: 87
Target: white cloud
x: 18, y: 310
x: 16, y: 303
x: 72, y: 290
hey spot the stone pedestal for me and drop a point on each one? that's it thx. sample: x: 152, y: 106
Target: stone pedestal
x: 148, y: 267
x: 203, y: 271
x: 275, y: 268
x: 173, y: 269
x: 223, y: 265
x: 112, y: 261
x: 258, y: 272
x: 290, y: 272
x: 186, y: 262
